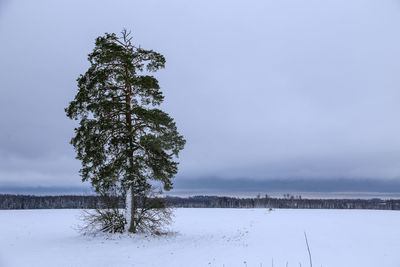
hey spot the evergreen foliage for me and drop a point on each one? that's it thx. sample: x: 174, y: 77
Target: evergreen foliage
x: 123, y: 140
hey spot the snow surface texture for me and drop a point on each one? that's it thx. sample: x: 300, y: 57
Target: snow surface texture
x: 208, y: 237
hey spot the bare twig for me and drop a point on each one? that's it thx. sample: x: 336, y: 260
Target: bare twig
x: 308, y: 248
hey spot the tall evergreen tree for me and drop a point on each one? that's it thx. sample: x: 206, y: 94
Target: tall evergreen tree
x: 123, y: 140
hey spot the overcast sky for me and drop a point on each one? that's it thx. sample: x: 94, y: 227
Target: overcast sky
x: 261, y: 90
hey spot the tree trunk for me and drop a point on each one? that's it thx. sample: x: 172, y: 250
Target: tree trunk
x: 128, y: 208
x: 130, y: 211
x: 130, y: 198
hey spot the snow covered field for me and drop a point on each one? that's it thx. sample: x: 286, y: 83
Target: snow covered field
x: 209, y: 237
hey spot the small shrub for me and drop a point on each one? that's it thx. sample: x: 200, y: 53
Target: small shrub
x: 103, y: 221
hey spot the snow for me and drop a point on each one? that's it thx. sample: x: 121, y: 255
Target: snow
x: 208, y: 237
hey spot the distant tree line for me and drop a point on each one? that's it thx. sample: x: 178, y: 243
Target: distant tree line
x: 287, y: 202
x: 51, y: 202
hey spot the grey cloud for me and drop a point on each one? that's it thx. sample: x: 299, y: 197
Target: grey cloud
x: 307, y: 187
x: 333, y: 187
x: 260, y: 89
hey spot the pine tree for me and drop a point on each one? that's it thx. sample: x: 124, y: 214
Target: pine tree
x: 123, y: 140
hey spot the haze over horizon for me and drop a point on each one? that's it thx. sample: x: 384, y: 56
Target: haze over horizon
x: 264, y: 91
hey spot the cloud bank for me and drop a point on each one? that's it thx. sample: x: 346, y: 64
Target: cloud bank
x: 261, y: 90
